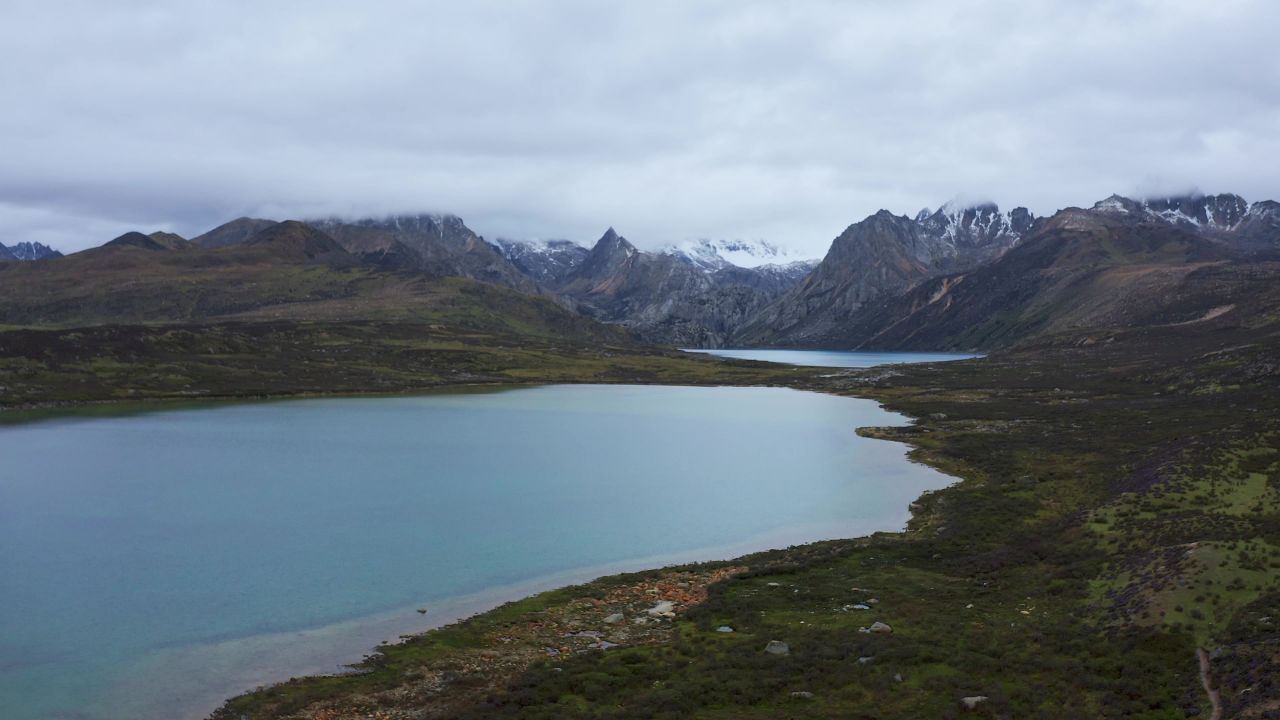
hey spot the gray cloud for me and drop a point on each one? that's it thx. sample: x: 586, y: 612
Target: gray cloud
x: 668, y: 120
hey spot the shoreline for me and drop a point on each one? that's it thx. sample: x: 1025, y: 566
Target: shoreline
x: 363, y: 637
x: 736, y: 553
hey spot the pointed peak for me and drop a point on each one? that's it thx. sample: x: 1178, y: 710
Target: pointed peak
x: 611, y: 239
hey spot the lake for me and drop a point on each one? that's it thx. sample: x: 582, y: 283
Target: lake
x: 154, y: 564
x: 834, y: 358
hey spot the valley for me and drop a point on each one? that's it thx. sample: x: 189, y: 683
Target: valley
x: 1116, y: 444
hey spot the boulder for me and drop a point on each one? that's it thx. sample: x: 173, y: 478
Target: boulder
x: 777, y: 647
x: 880, y: 628
x: 972, y: 701
x: 666, y: 608
x: 724, y: 629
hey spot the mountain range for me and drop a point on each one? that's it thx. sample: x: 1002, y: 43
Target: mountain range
x: 25, y: 251
x: 959, y: 277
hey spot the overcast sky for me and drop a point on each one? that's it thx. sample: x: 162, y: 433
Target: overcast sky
x: 668, y: 120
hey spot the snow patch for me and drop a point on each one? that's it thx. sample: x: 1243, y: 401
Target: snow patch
x: 712, y: 255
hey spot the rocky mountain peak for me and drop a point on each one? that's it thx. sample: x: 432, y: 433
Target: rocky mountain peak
x: 27, y: 251
x: 611, y: 244
x: 1222, y: 212
x: 976, y: 226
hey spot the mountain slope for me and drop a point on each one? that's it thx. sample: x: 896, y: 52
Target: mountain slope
x: 547, y: 262
x: 884, y: 254
x: 1082, y: 270
x: 287, y: 271
x: 232, y: 233
x: 440, y: 245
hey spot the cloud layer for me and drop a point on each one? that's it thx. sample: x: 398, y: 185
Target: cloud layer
x: 668, y: 120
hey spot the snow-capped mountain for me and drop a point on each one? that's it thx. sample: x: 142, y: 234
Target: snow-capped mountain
x: 546, y: 261
x: 974, y: 233
x: 885, y: 254
x: 712, y: 255
x: 1201, y: 212
x: 1226, y: 218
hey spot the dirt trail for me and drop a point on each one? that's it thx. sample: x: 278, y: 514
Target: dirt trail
x: 1206, y: 679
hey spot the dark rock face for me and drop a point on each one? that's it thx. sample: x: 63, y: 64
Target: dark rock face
x: 667, y: 297
x: 232, y: 233
x: 974, y: 278
x: 27, y: 251
x: 1226, y: 218
x: 440, y: 245
x: 884, y: 254
x: 1078, y: 271
x: 547, y: 262
x: 1193, y: 212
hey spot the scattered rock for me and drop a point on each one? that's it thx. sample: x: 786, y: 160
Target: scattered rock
x: 879, y: 627
x: 613, y: 619
x: 972, y: 701
x: 860, y: 606
x: 775, y: 584
x: 777, y: 647
x: 724, y: 628
x: 802, y: 695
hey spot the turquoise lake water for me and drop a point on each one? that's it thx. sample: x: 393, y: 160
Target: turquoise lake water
x: 836, y: 358
x: 155, y: 564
